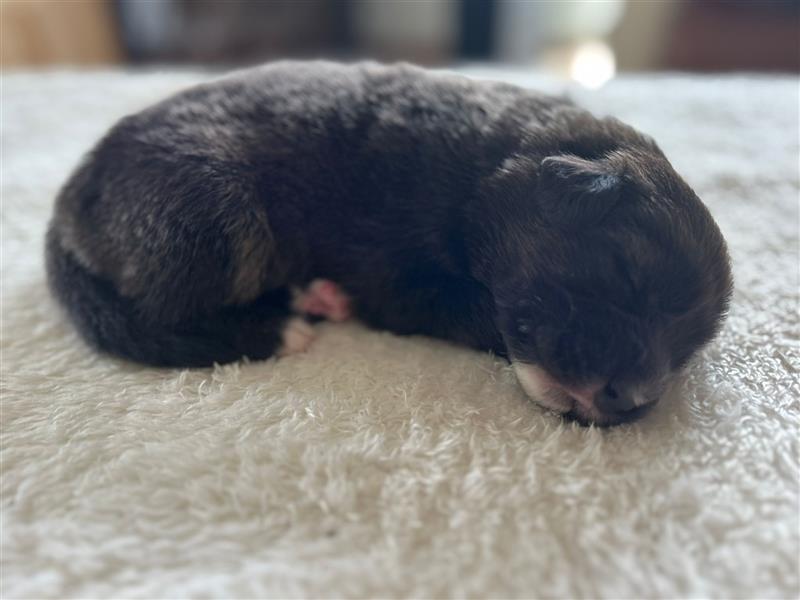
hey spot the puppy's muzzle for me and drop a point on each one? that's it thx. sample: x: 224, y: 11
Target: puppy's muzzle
x: 607, y: 403
x: 600, y: 402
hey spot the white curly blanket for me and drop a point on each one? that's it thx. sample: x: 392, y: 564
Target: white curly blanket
x: 380, y: 466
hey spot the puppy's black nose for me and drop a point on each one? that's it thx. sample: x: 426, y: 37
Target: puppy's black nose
x: 614, y: 399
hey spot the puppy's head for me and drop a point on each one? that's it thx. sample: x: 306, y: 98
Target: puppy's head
x: 615, y: 275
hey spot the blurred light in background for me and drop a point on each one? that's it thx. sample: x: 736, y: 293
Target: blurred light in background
x: 592, y: 64
x: 586, y: 40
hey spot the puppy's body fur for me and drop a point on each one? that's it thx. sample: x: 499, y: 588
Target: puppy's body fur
x: 430, y: 199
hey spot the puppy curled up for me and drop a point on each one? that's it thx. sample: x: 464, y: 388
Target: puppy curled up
x: 211, y: 225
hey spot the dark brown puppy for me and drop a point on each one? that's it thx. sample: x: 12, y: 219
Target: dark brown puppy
x: 481, y: 213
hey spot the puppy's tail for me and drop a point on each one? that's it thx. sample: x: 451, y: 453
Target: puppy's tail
x: 111, y: 323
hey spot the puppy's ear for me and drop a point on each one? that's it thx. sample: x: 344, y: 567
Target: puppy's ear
x: 576, y: 191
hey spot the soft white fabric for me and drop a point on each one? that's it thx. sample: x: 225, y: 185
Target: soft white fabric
x: 381, y: 466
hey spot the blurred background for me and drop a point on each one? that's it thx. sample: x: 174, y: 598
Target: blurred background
x: 588, y: 41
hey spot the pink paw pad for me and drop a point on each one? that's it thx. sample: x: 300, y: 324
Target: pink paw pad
x: 323, y: 298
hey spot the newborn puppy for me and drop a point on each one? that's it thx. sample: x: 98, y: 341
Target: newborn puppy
x: 421, y: 203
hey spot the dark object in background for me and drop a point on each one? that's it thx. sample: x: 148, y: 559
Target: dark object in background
x: 735, y: 36
x: 477, y: 29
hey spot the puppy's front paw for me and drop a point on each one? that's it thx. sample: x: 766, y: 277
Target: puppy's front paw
x: 323, y: 298
x: 297, y: 336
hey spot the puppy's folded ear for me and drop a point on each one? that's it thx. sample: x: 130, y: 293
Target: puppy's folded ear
x: 576, y: 191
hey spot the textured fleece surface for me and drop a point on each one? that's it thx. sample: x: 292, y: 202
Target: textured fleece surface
x: 381, y: 466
